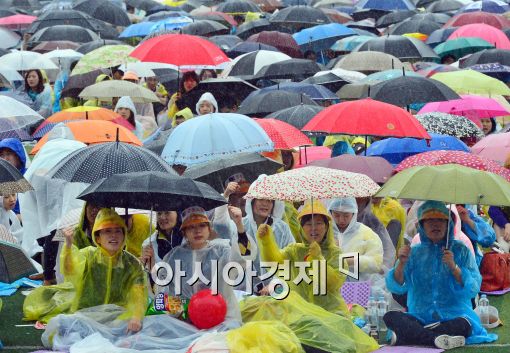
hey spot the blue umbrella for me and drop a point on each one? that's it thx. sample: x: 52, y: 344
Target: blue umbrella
x: 350, y: 43
x: 321, y: 37
x: 493, y: 6
x: 395, y: 150
x: 496, y: 70
x: 315, y: 92
x: 388, y: 75
x: 171, y: 24
x: 140, y: 29
x: 388, y: 5
x: 210, y: 136
x: 439, y: 36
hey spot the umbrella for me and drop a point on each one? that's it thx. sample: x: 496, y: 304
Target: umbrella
x: 445, y: 6
x: 321, y: 37
x: 170, y: 24
x: 480, y: 30
x: 156, y: 191
x: 107, y: 159
x: 45, y: 47
x: 440, y: 18
x: 368, y: 14
x: 452, y: 125
x: 8, y: 38
x: 440, y: 36
x: 223, y: 18
x: 498, y: 71
x: 350, y: 43
x: 11, y: 180
x: 105, y: 57
x: 471, y: 82
x: 19, y: 95
x: 369, y: 62
x: 394, y: 17
x: 493, y: 6
x: 248, y: 65
x: 228, y: 86
x: 88, y: 47
x: 308, y: 154
x: 26, y: 5
x: 140, y: 29
x: 77, y: 83
x: 269, y: 5
x: 282, y: 41
x: 467, y: 18
x: 271, y: 101
x: 353, y: 91
x: 217, y: 171
x: 389, y: 5
x: 414, y: 26
x: 210, y: 136
x: 331, y: 3
x: 182, y: 50
x: 106, y: 90
x: 103, y: 10
x: 315, y: 92
x: 487, y: 56
x: 144, y: 5
x: 205, y: 28
x: 493, y: 146
x: 312, y: 182
x: 334, y: 79
x: 157, y: 141
x: 63, y: 32
x: 473, y: 107
x: 248, y: 47
x: 14, y: 262
x: 18, y: 113
x: 459, y: 185
x: 298, y: 115
x: 428, y: 69
x: 406, y: 90
x: 17, y: 21
x: 249, y: 28
x: 26, y: 60
x: 366, y: 117
x: 7, y: 12
x: 284, y: 136
x: 227, y: 42
x: 453, y: 157
x: 395, y: 150
x: 460, y: 47
x: 237, y: 7
x: 295, y: 69
x: 294, y: 17
x: 404, y: 48
x: 376, y: 168
x: 388, y: 75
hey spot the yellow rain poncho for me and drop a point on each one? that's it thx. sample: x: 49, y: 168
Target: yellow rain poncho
x: 81, y: 239
x: 186, y: 113
x: 269, y: 251
x: 390, y: 210
x: 140, y: 230
x: 291, y: 218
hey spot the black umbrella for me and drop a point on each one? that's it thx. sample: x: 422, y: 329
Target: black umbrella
x: 248, y: 47
x: 249, y: 64
x: 414, y: 26
x: 157, y: 143
x: 221, y: 88
x: 237, y: 6
x: 11, y: 180
x: 404, y: 48
x: 272, y: 101
x: 28, y: 5
x: 212, y: 17
x: 445, y: 6
x: 225, y: 42
x: 297, y: 116
x: 92, y: 163
x: 88, y: 47
x: 169, y: 78
x: 77, y: 83
x: 63, y: 32
x: 217, y: 171
x: 205, y: 28
x: 294, y: 69
x: 162, y: 15
x: 440, y: 18
x: 151, y: 190
x: 424, y: 3
x: 487, y: 56
x: 364, y: 14
x: 6, y: 13
x: 253, y: 27
x: 364, y: 25
x: 144, y: 5
x: 394, y: 17
x: 298, y: 17
x: 439, y: 36
x: 406, y: 90
x: 104, y: 11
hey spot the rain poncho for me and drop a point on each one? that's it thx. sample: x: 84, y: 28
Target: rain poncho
x: 483, y: 234
x: 270, y: 251
x: 140, y: 230
x: 42, y: 101
x: 126, y: 102
x: 186, y: 113
x: 209, y: 98
x: 16, y: 146
x: 11, y: 222
x: 357, y: 237
x: 291, y: 218
x: 433, y: 294
x: 82, y: 232
x: 390, y: 212
x: 157, y: 237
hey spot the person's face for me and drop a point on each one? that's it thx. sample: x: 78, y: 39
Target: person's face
x: 32, y: 79
x: 91, y: 212
x: 10, y: 156
x: 179, y: 120
x: 189, y: 84
x: 205, y: 107
x: 124, y: 112
x: 179, y: 168
x: 9, y: 201
x: 486, y: 126
x: 315, y: 230
x: 237, y: 200
x: 166, y: 220
x: 207, y: 74
x: 362, y: 202
x: 111, y: 239
x: 117, y: 75
x: 152, y: 82
x: 435, y: 229
x: 288, y: 160
x: 197, y: 235
x: 262, y: 208
x: 342, y: 219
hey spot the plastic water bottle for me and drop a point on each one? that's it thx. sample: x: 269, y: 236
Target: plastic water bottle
x: 483, y: 303
x: 371, y: 315
x: 382, y: 308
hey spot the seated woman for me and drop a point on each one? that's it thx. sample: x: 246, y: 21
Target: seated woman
x: 39, y: 92
x: 440, y: 276
x: 166, y: 237
x: 206, y: 104
x: 83, y: 230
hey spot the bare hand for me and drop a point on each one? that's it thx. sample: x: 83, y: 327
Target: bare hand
x: 506, y: 234
x: 403, y: 254
x: 463, y: 214
x: 147, y: 256
x: 69, y: 236
x: 448, y: 259
x: 263, y: 230
x: 231, y: 188
x: 314, y: 252
x: 134, y: 325
x: 235, y: 214
x: 264, y: 291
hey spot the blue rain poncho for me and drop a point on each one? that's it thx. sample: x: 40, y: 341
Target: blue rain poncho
x: 483, y: 235
x: 433, y: 294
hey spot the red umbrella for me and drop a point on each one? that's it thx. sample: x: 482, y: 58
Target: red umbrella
x: 284, y: 136
x: 182, y: 50
x: 17, y: 21
x: 480, y: 30
x: 284, y: 42
x: 453, y: 157
x: 367, y: 117
x: 492, y: 19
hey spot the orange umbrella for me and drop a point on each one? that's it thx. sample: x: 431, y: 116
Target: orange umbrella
x: 94, y: 131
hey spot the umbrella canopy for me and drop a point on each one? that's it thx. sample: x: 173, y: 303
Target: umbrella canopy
x: 217, y: 172
x: 445, y: 6
x: 388, y: 75
x: 63, y: 32
x: 480, y: 30
x: 103, y: 10
x: 223, y: 18
x: 106, y: 159
x: 334, y: 79
x: 376, y: 168
x: 493, y: 146
x: 404, y: 48
x: 460, y: 47
x: 248, y: 65
x: 157, y: 191
x: 294, y: 17
x: 406, y: 90
x: 281, y: 41
x: 25, y: 5
x: 321, y: 37
x: 18, y: 113
x: 414, y: 26
x: 182, y: 50
x: 205, y: 28
x: 237, y: 7
x: 427, y: 69
x: 226, y: 41
x: 454, y: 157
x: 105, y: 57
x: 77, y: 83
x: 390, y: 5
x: 17, y: 21
x: 472, y: 82
x: 249, y: 28
x: 11, y: 180
x: 366, y: 117
x: 26, y: 60
x: 298, y: 115
x: 350, y: 43
x: 106, y: 90
x: 498, y: 71
x: 452, y: 125
x: 271, y: 101
x: 353, y: 91
x: 468, y: 18
x: 8, y: 38
x: 269, y: 5
x: 493, y: 6
x: 248, y: 47
x: 315, y: 92
x: 369, y: 62
x: 487, y: 56
x: 140, y: 29
x: 394, y: 17
x: 395, y: 150
x: 312, y: 183
x: 227, y: 87
x: 294, y: 69
x: 283, y: 135
x: 210, y: 136
x: 472, y: 107
x: 440, y: 36
x: 459, y: 185
x: 88, y: 47
x: 440, y: 18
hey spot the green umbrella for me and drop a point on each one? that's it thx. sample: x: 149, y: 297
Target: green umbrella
x: 103, y: 58
x: 450, y: 183
x: 472, y: 82
x: 106, y: 90
x: 460, y: 47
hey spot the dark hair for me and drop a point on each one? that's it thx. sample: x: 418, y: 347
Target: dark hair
x: 186, y: 76
x: 308, y: 217
x: 40, y: 84
x: 214, y: 74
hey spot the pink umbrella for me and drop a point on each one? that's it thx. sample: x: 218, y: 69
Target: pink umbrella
x: 484, y: 31
x: 17, y: 21
x: 494, y: 146
x: 310, y: 154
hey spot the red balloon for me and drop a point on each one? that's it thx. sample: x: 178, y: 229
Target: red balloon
x: 206, y: 310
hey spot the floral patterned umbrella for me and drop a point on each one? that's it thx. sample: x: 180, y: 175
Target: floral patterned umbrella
x: 312, y: 183
x: 454, y: 157
x: 104, y: 57
x: 447, y: 124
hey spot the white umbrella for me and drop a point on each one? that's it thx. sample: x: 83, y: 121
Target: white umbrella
x: 27, y: 60
x: 8, y: 38
x: 18, y: 112
x: 347, y: 75
x: 58, y: 54
x: 10, y: 74
x: 145, y: 69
